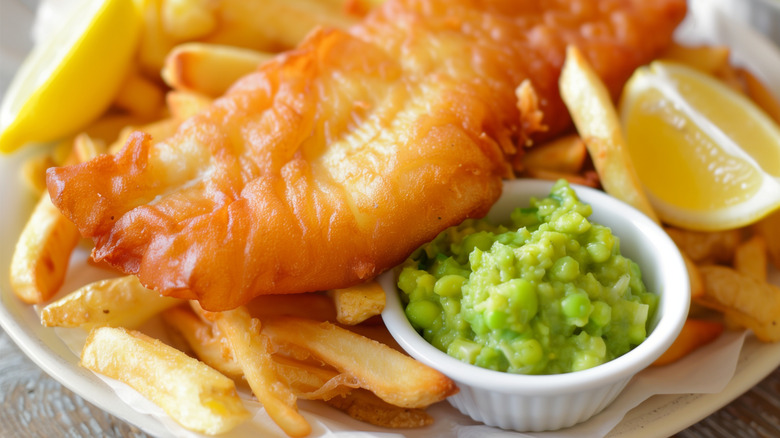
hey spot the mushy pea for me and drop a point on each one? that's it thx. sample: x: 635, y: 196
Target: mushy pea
x: 548, y: 294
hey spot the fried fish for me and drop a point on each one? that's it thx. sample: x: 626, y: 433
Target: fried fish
x: 332, y: 162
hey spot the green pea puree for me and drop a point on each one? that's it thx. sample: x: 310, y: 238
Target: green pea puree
x: 547, y: 293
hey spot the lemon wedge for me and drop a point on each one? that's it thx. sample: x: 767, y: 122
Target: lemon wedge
x: 707, y: 156
x: 70, y: 78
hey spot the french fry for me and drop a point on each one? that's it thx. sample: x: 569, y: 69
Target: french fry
x: 155, y: 43
x: 252, y: 351
x: 758, y: 92
x: 121, y: 139
x: 358, y: 303
x: 186, y: 20
x: 769, y: 228
x: 110, y: 126
x: 365, y: 406
x: 140, y: 96
x: 694, y: 277
x: 115, y: 302
x: 741, y: 292
x: 694, y: 334
x: 706, y: 247
x: 314, y: 306
x: 159, y: 130
x: 312, y: 382
x: 82, y: 147
x: 393, y: 376
x: 34, y: 172
x: 595, y: 117
x: 708, y: 59
x: 192, y: 393
x: 209, y: 346
x: 42, y: 253
x: 209, y: 69
x: 750, y: 258
x: 185, y: 104
x: 590, y: 179
x: 764, y: 331
x: 565, y: 154
x: 378, y: 332
x: 62, y: 154
x: 85, y: 147
x: 274, y: 25
x: 213, y: 348
x: 754, y: 304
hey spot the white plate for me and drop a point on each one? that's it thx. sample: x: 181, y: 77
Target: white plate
x: 658, y: 416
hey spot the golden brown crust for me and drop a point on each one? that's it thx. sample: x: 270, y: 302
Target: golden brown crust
x: 332, y: 162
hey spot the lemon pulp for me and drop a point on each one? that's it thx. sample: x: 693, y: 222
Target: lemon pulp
x: 707, y: 157
x: 70, y: 78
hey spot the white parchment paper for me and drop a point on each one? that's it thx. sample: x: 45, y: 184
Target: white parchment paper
x: 683, y: 377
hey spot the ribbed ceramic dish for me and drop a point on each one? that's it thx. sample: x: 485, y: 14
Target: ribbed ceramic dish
x: 549, y: 402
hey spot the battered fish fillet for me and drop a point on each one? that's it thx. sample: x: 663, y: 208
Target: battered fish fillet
x: 333, y: 162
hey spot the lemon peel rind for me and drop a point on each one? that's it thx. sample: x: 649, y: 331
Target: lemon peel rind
x: 765, y: 201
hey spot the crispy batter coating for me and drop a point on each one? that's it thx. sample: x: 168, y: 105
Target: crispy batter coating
x: 334, y: 161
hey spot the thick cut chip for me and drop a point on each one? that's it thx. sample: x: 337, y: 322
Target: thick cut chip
x: 750, y: 258
x: 42, y: 253
x: 209, y: 69
x: 596, y: 119
x: 769, y: 228
x: 358, y: 303
x: 394, y: 377
x: 192, y: 393
x: 694, y: 334
x: 115, y: 302
x: 752, y: 303
x: 204, y: 339
x: 706, y: 247
x: 253, y: 353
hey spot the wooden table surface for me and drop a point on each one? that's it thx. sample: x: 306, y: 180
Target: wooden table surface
x: 32, y: 404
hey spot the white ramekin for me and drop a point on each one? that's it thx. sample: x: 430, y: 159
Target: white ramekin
x: 548, y: 402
